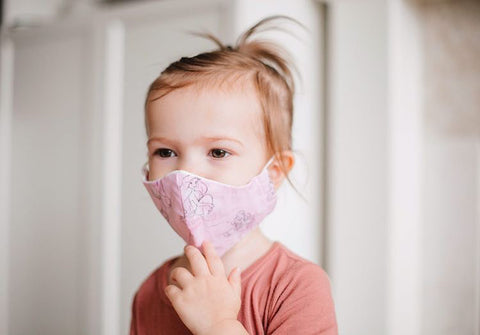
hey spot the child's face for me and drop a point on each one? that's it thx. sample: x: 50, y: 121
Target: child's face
x: 214, y: 133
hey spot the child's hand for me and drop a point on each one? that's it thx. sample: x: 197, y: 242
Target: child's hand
x: 205, y: 299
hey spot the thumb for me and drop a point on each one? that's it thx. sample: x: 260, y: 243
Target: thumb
x: 235, y: 280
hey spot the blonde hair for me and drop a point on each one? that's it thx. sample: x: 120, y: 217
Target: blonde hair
x: 262, y: 63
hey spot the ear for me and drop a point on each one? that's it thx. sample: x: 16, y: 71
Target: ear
x: 277, y: 176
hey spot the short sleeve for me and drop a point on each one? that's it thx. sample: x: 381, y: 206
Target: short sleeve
x: 303, y: 303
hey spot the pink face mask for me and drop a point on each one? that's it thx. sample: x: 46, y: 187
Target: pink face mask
x: 201, y: 209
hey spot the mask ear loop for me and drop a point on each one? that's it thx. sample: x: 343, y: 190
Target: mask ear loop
x: 269, y: 162
x: 145, y: 170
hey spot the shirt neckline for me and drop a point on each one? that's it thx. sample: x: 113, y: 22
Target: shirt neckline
x: 253, y: 267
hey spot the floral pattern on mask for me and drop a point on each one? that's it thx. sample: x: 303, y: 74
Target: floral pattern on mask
x: 242, y: 222
x: 159, y: 192
x: 196, y: 199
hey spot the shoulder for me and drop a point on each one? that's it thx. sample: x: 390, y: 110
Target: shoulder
x: 150, y: 289
x: 302, y: 297
x: 297, y: 273
x: 146, y: 302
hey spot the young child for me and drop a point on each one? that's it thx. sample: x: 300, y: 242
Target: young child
x: 219, y: 146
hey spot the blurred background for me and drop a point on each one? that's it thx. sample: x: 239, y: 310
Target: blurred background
x: 387, y: 134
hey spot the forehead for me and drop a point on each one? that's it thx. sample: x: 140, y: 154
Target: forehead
x: 191, y: 111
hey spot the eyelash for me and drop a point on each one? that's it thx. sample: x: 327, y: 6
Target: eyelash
x: 159, y: 151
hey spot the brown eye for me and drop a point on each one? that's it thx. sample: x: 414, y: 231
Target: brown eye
x: 164, y: 153
x: 218, y: 153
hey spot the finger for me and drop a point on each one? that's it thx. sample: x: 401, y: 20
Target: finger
x: 181, y: 276
x: 214, y: 262
x: 172, y: 292
x: 235, y: 280
x: 197, y: 261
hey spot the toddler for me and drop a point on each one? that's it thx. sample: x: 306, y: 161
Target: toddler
x: 219, y: 146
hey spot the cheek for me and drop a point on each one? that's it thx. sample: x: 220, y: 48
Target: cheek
x: 157, y: 169
x: 241, y: 172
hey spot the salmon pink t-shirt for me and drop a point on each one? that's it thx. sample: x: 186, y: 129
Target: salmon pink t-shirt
x: 282, y: 293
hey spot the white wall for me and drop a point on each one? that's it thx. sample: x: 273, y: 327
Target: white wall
x: 357, y: 163
x: 451, y: 232
x: 47, y: 223
x: 402, y: 188
x: 16, y: 11
x: 39, y: 12
x: 6, y: 80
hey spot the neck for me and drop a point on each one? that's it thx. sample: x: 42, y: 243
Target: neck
x: 243, y: 254
x: 251, y: 247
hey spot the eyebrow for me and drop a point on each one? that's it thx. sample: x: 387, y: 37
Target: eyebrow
x: 206, y: 138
